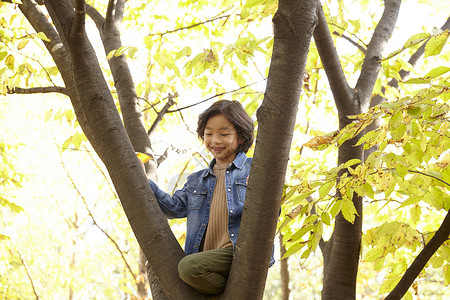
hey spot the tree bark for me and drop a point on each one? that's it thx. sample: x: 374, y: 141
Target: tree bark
x: 441, y: 235
x: 109, y: 29
x: 284, y: 271
x: 55, y: 48
x: 294, y: 24
x: 115, y: 150
x: 341, y: 252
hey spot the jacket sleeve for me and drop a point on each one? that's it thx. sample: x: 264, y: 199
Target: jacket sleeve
x: 172, y: 207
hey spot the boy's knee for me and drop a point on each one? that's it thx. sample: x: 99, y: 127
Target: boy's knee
x: 187, y: 268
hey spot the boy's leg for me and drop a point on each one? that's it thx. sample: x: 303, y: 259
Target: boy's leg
x: 207, y: 271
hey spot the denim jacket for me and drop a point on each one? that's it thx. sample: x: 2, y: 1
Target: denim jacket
x: 193, y: 201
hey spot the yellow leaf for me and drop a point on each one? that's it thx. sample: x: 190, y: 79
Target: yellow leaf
x: 43, y: 37
x: 143, y: 157
x: 22, y: 44
x: 9, y: 62
x: 318, y: 141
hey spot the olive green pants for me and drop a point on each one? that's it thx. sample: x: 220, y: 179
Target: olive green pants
x: 207, y: 271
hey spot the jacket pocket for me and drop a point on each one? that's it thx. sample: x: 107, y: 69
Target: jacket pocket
x: 196, y: 196
x: 241, y: 188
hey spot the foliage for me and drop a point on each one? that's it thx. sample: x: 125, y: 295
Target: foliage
x: 408, y: 173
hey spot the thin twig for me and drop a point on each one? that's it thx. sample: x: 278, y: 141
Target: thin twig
x: 28, y: 273
x: 189, y: 26
x: 417, y: 172
x: 215, y: 96
x: 94, y: 220
x: 37, y: 90
x: 162, y: 113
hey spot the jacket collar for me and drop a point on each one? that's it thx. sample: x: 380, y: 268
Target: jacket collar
x: 238, y: 162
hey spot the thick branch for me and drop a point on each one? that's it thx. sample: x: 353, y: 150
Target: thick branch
x: 421, y: 260
x: 375, y: 49
x: 109, y: 32
x: 342, y: 93
x: 161, y: 114
x: 403, y: 73
x: 56, y: 49
x: 120, y: 8
x: 95, y: 16
x: 37, y: 90
x: 110, y: 9
x: 77, y: 27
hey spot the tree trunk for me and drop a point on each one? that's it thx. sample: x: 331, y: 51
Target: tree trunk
x: 284, y: 271
x: 115, y: 149
x: 40, y: 23
x: 341, y: 252
x: 294, y: 24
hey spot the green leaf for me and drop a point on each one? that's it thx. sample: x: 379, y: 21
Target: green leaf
x: 9, y: 62
x: 378, y: 264
x: 22, y: 44
x: 417, y: 81
x: 389, y: 284
x: 325, y: 217
x: 43, y: 37
x: 417, y: 38
x: 3, y: 54
x: 294, y: 249
x: 446, y: 269
x: 301, y: 197
x: 436, y: 43
x: 352, y: 162
x: 348, y: 210
x: 317, y: 235
x: 436, y: 261
x: 186, y: 51
x: 110, y: 54
x: 336, y: 208
x: 415, y: 213
x: 374, y: 254
x: 411, y: 200
x: 121, y: 50
x: 437, y: 72
x: 325, y: 188
x: 368, y: 190
x: 401, y: 169
x: 14, y: 207
x: 132, y: 51
x: 301, y: 232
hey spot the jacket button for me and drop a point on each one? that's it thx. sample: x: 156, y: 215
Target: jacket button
x: 232, y: 234
x: 231, y: 211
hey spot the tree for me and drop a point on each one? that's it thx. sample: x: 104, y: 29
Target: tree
x: 341, y: 251
x: 96, y: 112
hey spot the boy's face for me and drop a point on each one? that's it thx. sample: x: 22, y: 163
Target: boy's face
x: 221, y: 139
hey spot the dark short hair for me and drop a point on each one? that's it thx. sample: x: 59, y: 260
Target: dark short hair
x: 237, y: 116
